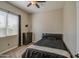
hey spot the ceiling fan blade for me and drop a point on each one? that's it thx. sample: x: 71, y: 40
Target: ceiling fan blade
x: 37, y: 5
x: 29, y: 4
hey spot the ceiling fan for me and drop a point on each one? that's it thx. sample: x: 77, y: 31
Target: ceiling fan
x: 35, y: 3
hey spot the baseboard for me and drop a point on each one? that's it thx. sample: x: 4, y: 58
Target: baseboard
x: 8, y: 50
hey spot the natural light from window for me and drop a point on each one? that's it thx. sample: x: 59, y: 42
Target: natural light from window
x: 8, y: 24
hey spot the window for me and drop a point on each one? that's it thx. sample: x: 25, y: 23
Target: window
x: 2, y: 23
x: 12, y: 27
x: 8, y: 24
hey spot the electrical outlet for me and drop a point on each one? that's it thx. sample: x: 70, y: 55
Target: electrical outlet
x: 8, y: 44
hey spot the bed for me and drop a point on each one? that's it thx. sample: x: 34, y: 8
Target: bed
x: 50, y: 46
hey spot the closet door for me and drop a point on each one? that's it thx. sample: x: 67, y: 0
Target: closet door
x: 77, y: 41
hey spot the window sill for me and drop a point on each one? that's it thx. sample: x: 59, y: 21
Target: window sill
x: 8, y: 36
x: 12, y: 35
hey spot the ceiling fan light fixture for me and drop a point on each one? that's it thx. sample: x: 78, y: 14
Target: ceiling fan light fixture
x: 33, y: 2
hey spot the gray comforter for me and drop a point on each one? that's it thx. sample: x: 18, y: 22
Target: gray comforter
x: 34, y: 53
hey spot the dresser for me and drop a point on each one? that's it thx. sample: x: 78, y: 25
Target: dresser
x: 27, y: 38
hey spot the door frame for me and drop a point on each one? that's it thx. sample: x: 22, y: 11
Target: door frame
x: 19, y: 31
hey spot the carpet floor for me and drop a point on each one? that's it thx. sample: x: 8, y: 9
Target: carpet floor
x: 15, y: 53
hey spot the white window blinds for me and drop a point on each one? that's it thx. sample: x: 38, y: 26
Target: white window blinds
x: 8, y: 24
x: 12, y: 28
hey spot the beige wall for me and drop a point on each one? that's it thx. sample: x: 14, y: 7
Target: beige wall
x: 69, y: 28
x: 30, y: 23
x: 46, y: 22
x: 13, y: 39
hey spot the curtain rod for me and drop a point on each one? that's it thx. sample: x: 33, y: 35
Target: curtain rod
x: 8, y: 11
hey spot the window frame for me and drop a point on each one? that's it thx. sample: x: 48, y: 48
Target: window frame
x: 6, y: 30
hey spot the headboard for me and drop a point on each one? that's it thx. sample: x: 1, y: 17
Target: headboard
x: 57, y: 36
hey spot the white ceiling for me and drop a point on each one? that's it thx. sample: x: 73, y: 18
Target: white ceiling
x: 47, y: 6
